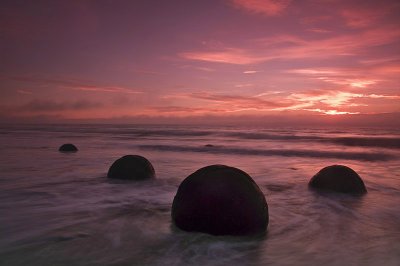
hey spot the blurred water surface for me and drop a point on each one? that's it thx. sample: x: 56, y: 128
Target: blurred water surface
x: 60, y: 209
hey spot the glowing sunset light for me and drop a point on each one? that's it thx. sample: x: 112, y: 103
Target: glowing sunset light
x: 333, y: 99
x: 155, y: 60
x: 361, y: 83
x: 250, y: 72
x: 228, y: 56
x: 332, y: 112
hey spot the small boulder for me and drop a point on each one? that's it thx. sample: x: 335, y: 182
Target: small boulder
x: 68, y: 148
x: 338, y: 178
x: 134, y: 167
x: 220, y: 200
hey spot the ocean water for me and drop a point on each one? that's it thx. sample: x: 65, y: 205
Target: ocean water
x: 60, y: 209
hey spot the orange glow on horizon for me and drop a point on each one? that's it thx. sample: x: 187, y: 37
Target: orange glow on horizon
x: 245, y: 58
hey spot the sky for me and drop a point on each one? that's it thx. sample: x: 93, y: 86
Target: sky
x: 205, y: 60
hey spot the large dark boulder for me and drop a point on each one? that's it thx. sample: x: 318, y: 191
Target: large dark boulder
x: 68, y: 148
x: 134, y: 167
x: 220, y: 200
x: 338, y: 178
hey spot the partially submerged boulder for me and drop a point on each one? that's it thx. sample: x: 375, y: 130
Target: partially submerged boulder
x: 134, y: 167
x: 68, y: 147
x: 220, y: 200
x: 338, y: 178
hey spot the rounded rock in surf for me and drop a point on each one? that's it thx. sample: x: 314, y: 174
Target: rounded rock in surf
x: 133, y: 167
x: 220, y: 200
x: 338, y: 178
x: 68, y: 147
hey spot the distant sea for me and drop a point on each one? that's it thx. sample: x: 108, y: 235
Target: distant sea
x: 60, y: 209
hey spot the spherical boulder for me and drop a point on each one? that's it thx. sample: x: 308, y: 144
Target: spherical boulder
x: 338, y: 178
x: 134, y: 167
x: 68, y: 148
x: 220, y: 200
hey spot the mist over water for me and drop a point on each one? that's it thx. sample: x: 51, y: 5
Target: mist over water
x: 60, y: 209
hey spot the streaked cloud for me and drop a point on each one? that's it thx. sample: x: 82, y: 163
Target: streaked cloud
x: 315, y: 101
x: 218, y: 58
x: 362, y: 17
x: 229, y: 103
x: 289, y: 47
x: 321, y: 101
x: 319, y: 30
x: 350, y: 77
x: 251, y: 72
x: 332, y: 112
x: 74, y: 84
x: 375, y: 96
x: 207, y: 69
x: 308, y: 71
x: 330, y: 98
x: 264, y: 7
x: 244, y: 85
x: 235, y: 56
x: 237, y: 100
x: 106, y: 89
x: 147, y: 72
x: 182, y: 110
x: 315, y: 19
x: 51, y: 106
x: 25, y: 92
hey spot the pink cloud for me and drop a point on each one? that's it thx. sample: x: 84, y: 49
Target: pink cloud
x: 264, y: 7
x: 74, y: 84
x: 319, y: 30
x: 251, y: 72
x: 56, y: 106
x: 229, y: 103
x: 207, y: 69
x: 329, y: 102
x: 289, y: 47
x: 146, y: 72
x: 333, y: 102
x: 237, y: 100
x: 245, y: 85
x: 330, y: 98
x: 311, y: 20
x: 363, y: 17
x: 349, y: 77
x: 375, y: 96
x: 353, y: 14
x: 228, y: 55
x: 24, y: 92
x: 308, y: 71
x: 331, y: 112
x: 106, y: 89
x: 351, y: 44
x: 182, y: 110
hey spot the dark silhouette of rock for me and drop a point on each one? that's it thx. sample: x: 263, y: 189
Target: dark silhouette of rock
x: 338, y: 178
x: 134, y: 167
x: 68, y: 148
x: 220, y: 200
